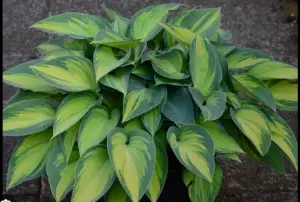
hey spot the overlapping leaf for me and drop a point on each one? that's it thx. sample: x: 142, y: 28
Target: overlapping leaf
x: 133, y: 157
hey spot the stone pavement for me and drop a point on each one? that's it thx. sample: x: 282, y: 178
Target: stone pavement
x: 259, y: 24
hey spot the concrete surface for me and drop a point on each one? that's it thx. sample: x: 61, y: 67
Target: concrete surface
x: 259, y: 24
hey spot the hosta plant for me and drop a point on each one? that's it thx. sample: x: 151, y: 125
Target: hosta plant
x: 100, y: 108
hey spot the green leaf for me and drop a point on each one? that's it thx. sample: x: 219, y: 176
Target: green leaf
x: 137, y: 102
x: 233, y: 100
x: 213, y: 107
x: 27, y: 117
x: 113, y: 39
x: 118, y: 80
x: 59, y: 44
x: 94, y: 175
x: 21, y: 76
x: 243, y: 58
x: 254, y: 87
x: 144, y: 71
x: 223, y: 143
x: 179, y: 106
x: 202, y: 190
x: 224, y: 48
x: 60, y: 175
x: 144, y: 23
x: 106, y: 61
x: 63, y: 53
x: 67, y: 139
x: 232, y: 156
x: 254, y: 124
x: 95, y: 126
x: 284, y: 137
x: 160, y: 173
x: 74, y: 25
x: 194, y: 148
x: 285, y: 94
x: 221, y: 36
x: 28, y: 160
x: 274, y: 70
x: 133, y: 155
x: 170, y: 64
x: 181, y: 34
x: 120, y: 23
x: 205, y: 67
x: 22, y: 95
x: 117, y: 193
x: 159, y: 80
x: 133, y: 124
x: 152, y: 120
x: 71, y: 110
x: 70, y: 73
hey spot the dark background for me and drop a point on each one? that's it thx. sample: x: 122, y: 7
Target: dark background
x: 259, y: 24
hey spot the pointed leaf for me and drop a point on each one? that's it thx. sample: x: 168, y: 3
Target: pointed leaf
x: 243, y: 58
x: 255, y: 88
x: 274, y: 70
x: 94, y: 175
x: 22, y: 95
x: 285, y: 94
x: 181, y: 34
x: 118, y: 80
x: 74, y: 25
x: 133, y: 156
x: 224, y: 48
x: 152, y: 119
x: 117, y: 193
x: 160, y: 173
x: 60, y: 175
x: 144, y: 71
x: 28, y: 160
x: 233, y: 100
x: 232, y: 156
x: 194, y: 148
x: 63, y: 53
x: 213, y: 107
x: 159, y: 80
x: 27, y: 117
x: 70, y: 73
x: 170, y: 64
x: 284, y: 137
x: 95, y: 126
x: 71, y: 110
x: 133, y: 124
x: 140, y: 101
x: 21, y: 76
x: 254, y: 124
x: 106, y: 61
x: 202, y: 190
x: 205, y: 67
x: 144, y: 23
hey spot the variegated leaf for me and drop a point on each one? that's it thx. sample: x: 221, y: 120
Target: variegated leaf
x: 117, y: 193
x: 140, y: 101
x: 21, y: 76
x: 159, y: 80
x: 95, y: 127
x: 221, y: 35
x: 144, y: 71
x: 27, y: 117
x: 224, y: 48
x: 105, y: 61
x: 171, y: 64
x: 133, y: 156
x: 144, y: 23
x: 213, y: 107
x: 63, y: 53
x: 22, y: 95
x: 160, y: 173
x: 223, y: 143
x: 284, y: 137
x: 233, y: 100
x: 254, y: 87
x: 71, y: 110
x: 232, y: 156
x: 181, y: 34
x: 274, y: 70
x: 60, y: 174
x: 67, y: 139
x: 205, y: 67
x: 28, y: 160
x: 254, y: 124
x: 285, y: 94
x: 70, y: 73
x: 94, y: 175
x: 120, y: 23
x: 74, y: 25
x: 243, y: 58
x: 194, y: 148
x: 113, y: 39
x: 179, y: 106
x: 118, y: 80
x: 202, y: 190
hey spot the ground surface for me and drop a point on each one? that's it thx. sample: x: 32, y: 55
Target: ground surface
x: 259, y: 24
